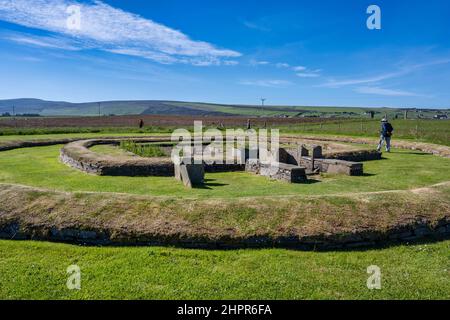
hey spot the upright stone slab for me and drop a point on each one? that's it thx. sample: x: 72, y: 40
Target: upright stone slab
x: 304, y: 151
x: 192, y: 174
x: 177, y: 170
x: 317, y: 152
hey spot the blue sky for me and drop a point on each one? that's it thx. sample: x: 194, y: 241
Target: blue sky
x: 290, y: 52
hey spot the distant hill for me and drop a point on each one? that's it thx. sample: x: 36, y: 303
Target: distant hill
x: 156, y: 107
x: 62, y: 108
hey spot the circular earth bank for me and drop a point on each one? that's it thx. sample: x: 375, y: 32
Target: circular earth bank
x: 307, y: 222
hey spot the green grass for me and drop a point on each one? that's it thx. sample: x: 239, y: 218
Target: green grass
x: 432, y: 131
x: 37, y: 270
x: 109, y: 150
x: 40, y: 167
x: 143, y: 150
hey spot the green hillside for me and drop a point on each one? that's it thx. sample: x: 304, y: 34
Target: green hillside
x: 155, y: 107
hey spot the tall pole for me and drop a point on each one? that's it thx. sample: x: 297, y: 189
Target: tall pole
x: 262, y: 101
x: 98, y: 103
x: 14, y: 116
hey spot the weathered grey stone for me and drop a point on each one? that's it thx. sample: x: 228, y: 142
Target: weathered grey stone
x: 441, y: 230
x: 252, y: 166
x: 317, y: 152
x: 177, y: 170
x: 400, y: 235
x: 192, y: 174
x: 284, y: 172
x: 303, y: 151
x: 422, y: 231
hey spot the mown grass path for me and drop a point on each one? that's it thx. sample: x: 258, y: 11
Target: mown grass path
x: 37, y: 270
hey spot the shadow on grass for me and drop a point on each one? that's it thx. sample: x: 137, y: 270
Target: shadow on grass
x: 310, y: 181
x: 365, y: 174
x: 416, y: 153
x: 209, y: 183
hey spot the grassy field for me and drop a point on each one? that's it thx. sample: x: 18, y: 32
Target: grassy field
x: 40, y: 167
x: 418, y: 130
x: 37, y: 270
x: 432, y: 131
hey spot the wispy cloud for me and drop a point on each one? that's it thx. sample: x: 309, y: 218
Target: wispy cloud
x: 402, y: 71
x: 266, y: 83
x: 304, y: 72
x: 42, y: 41
x: 386, y: 92
x: 341, y: 83
x: 107, y: 28
x: 254, y: 62
x: 255, y: 26
x: 282, y: 65
x: 299, y: 68
x: 307, y: 75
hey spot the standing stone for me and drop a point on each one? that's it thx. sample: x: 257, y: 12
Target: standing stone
x: 177, y: 170
x: 192, y: 174
x: 317, y: 152
x: 303, y: 151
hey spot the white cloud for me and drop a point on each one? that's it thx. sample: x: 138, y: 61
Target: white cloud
x: 336, y: 84
x: 255, y: 26
x: 385, y: 92
x: 107, y: 28
x: 259, y: 63
x: 282, y: 65
x: 404, y: 70
x: 299, y: 68
x: 266, y: 83
x: 40, y: 41
x: 307, y: 75
x: 230, y: 62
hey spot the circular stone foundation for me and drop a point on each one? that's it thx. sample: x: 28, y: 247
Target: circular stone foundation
x: 331, y: 221
x: 78, y: 155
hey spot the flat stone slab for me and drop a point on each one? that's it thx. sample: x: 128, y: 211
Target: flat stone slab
x: 279, y: 171
x: 333, y: 166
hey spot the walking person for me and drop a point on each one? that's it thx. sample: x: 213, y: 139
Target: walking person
x: 386, y: 134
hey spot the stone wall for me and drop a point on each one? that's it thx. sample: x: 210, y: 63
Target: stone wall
x: 77, y: 155
x: 355, y: 156
x: 360, y: 239
x: 280, y: 171
x: 333, y: 166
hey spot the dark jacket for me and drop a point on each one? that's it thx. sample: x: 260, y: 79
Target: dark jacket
x: 386, y: 129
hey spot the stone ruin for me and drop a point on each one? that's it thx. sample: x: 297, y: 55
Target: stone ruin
x: 293, y: 165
